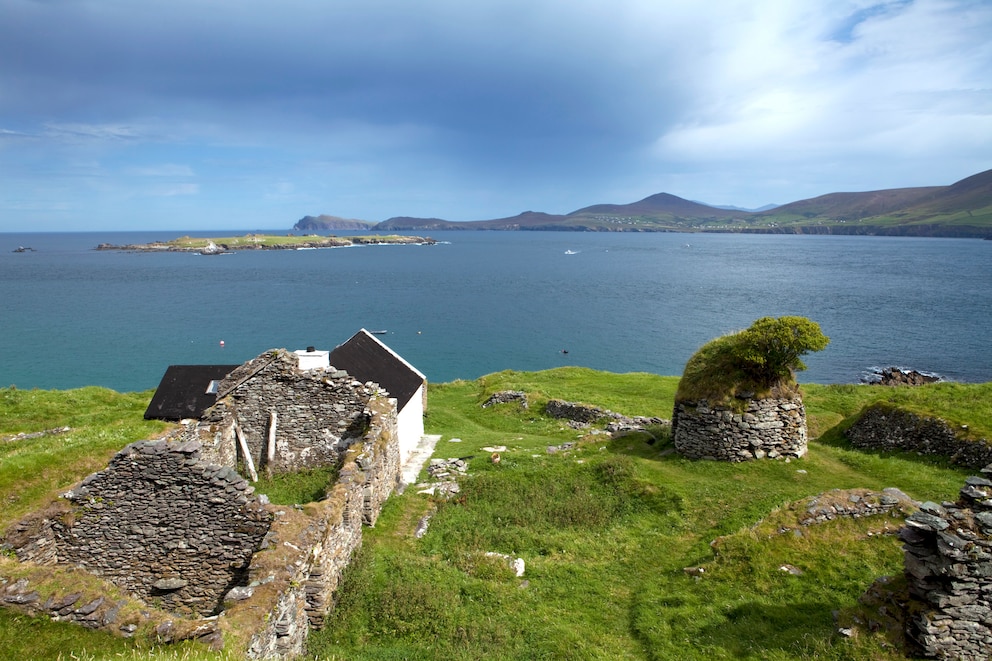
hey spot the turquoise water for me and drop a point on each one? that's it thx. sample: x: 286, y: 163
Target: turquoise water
x: 481, y: 302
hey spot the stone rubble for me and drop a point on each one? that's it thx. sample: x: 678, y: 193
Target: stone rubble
x: 446, y: 473
x: 507, y: 397
x: 583, y: 415
x: 854, y: 504
x: 948, y: 567
x: 23, y: 436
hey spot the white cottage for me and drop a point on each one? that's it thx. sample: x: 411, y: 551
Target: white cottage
x: 366, y: 358
x: 186, y: 391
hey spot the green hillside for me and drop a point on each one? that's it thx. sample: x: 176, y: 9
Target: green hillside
x: 607, y: 530
x: 963, y: 209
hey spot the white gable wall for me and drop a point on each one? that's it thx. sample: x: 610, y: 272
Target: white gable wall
x: 410, y: 423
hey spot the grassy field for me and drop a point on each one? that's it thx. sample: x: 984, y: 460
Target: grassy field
x: 277, y: 240
x: 606, y: 529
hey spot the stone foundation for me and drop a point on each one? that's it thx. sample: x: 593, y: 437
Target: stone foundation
x: 886, y: 428
x: 773, y: 428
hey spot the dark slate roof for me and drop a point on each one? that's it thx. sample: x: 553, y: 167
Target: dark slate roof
x: 366, y: 358
x: 182, y: 393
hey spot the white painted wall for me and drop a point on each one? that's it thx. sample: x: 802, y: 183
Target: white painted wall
x: 313, y: 360
x: 411, y: 424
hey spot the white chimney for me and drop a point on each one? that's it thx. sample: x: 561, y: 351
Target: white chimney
x: 311, y: 359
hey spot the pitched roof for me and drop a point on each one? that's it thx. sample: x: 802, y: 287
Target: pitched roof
x: 182, y: 393
x: 366, y: 358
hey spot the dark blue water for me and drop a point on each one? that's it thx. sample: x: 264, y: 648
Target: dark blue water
x: 488, y: 301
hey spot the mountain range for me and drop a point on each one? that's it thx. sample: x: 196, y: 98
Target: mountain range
x: 963, y: 209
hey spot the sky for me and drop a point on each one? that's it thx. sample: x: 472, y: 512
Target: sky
x: 240, y: 114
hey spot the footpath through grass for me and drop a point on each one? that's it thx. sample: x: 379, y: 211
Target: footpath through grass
x: 606, y: 529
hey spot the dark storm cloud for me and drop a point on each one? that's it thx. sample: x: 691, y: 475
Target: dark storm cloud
x: 475, y: 109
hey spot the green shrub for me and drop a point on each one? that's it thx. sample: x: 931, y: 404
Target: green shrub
x: 761, y: 360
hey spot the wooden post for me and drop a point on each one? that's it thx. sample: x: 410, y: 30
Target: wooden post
x: 270, y: 454
x: 243, y: 444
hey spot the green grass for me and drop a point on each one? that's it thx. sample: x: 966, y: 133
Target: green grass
x: 276, y: 240
x: 299, y: 487
x: 33, y: 471
x: 605, y: 529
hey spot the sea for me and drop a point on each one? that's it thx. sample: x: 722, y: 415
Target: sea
x: 481, y: 302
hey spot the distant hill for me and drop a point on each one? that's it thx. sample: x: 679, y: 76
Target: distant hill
x: 963, y: 209
x: 763, y: 207
x: 325, y: 222
x: 854, y: 206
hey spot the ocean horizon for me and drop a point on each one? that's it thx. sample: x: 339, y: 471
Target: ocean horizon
x: 481, y: 302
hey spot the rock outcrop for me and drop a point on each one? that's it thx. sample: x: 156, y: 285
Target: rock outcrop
x: 894, y: 376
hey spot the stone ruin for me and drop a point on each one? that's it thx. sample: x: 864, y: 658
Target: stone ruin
x: 947, y: 613
x: 772, y: 428
x: 883, y: 427
x: 948, y: 568
x: 159, y: 523
x: 174, y: 524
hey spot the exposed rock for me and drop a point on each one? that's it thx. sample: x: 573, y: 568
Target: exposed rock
x: 894, y: 376
x: 506, y: 397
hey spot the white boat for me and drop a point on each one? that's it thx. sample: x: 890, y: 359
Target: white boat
x: 571, y: 252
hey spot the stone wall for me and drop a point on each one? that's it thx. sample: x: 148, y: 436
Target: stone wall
x: 772, y: 428
x: 318, y: 413
x: 948, y: 567
x: 174, y: 529
x: 369, y: 474
x: 887, y: 428
x: 160, y: 524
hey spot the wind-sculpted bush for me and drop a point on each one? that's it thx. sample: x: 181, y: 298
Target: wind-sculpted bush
x: 760, y: 359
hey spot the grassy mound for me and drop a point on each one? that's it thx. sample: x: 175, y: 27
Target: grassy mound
x: 758, y: 361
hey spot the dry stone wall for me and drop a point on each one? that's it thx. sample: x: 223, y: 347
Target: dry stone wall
x: 160, y: 524
x: 773, y: 428
x: 948, y: 567
x: 370, y: 472
x: 172, y: 522
x: 315, y: 413
x: 886, y: 428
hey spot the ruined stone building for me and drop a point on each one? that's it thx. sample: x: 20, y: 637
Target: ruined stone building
x: 175, y: 522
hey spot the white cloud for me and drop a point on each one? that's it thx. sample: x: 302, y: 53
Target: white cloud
x: 77, y: 131
x: 484, y: 108
x: 907, y: 78
x: 162, y: 170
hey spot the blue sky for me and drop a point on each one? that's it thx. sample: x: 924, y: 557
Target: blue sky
x: 182, y: 114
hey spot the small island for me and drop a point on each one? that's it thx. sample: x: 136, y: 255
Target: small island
x: 222, y: 245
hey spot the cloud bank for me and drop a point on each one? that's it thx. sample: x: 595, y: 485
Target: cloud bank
x: 181, y: 114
